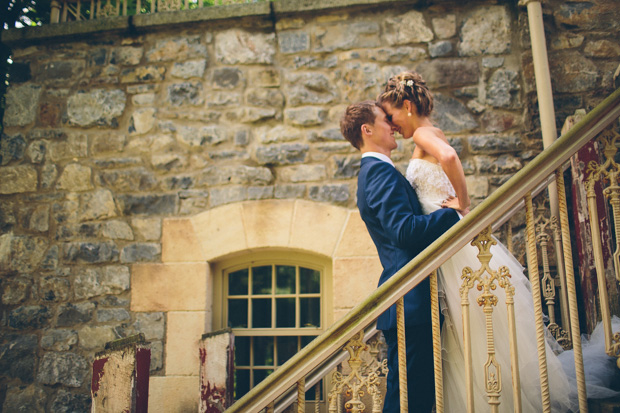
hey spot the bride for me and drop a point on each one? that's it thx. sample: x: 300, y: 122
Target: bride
x: 436, y: 173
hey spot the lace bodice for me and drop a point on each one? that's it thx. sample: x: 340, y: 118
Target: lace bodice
x: 430, y: 183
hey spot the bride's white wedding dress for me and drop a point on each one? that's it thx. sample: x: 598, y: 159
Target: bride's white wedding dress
x: 433, y: 187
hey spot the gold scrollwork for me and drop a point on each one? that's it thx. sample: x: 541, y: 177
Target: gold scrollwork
x: 364, y: 374
x: 109, y: 10
x: 486, y: 280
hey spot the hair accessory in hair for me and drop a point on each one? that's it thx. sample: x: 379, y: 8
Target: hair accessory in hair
x: 407, y: 82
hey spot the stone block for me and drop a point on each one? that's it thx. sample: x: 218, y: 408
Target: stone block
x: 179, y: 242
x: 305, y: 116
x: 284, y: 154
x: 21, y: 105
x: 186, y: 93
x: 67, y: 369
x: 354, y: 279
x: 221, y: 231
x: 573, y: 73
x: 141, y: 252
x: 444, y: 26
x: 189, y: 69
x: 142, y: 121
x: 338, y: 194
x: 143, y: 74
x: 227, y: 195
x: 148, y: 229
x: 492, y: 144
x: 90, y: 252
x: 503, y: 89
x: 407, y: 28
x: 173, y: 393
x: 59, y: 340
x: 73, y: 314
x: 355, y: 240
x: 75, y: 178
x: 12, y: 148
x: 152, y: 204
x: 317, y: 227
x: 25, y: 398
x: 486, y: 30
x: 70, y: 402
x: 265, y: 97
x: 21, y: 253
x: 259, y: 217
x: 449, y: 72
x: 52, y: 289
x: 183, y: 333
x: 177, y: 49
x: 95, y: 337
x: 168, y: 287
x: 227, y: 78
x: 293, y: 41
x: 302, y: 173
x: 93, y: 282
x: 452, y: 116
x: 236, y: 46
x: 15, y: 290
x: 18, y: 356
x: 98, y: 107
x: 346, y: 166
x: 127, y: 55
x: 18, y: 179
x: 363, y: 34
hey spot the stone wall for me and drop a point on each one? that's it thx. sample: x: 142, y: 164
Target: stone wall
x: 113, y: 126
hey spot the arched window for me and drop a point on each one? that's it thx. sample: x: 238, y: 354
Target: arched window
x: 275, y: 303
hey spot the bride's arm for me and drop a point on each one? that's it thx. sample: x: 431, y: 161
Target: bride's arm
x: 449, y: 160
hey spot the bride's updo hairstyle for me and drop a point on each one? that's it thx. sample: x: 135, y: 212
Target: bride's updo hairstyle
x: 408, y: 86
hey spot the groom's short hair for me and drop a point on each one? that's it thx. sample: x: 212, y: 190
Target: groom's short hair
x: 354, y: 117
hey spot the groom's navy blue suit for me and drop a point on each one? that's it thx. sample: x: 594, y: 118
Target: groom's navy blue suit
x: 390, y: 208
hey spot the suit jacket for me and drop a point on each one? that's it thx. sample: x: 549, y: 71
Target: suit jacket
x: 390, y: 208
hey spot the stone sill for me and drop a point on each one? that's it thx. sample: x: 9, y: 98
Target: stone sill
x: 145, y: 22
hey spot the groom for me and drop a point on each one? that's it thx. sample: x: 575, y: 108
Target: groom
x: 389, y: 206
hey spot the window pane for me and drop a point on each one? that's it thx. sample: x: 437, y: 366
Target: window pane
x: 310, y: 312
x: 309, y: 281
x: 305, y: 340
x: 285, y: 312
x: 238, y: 313
x: 261, y: 313
x: 260, y: 375
x: 242, y: 351
x: 261, y: 280
x: 238, y: 282
x: 287, y: 348
x: 311, y: 393
x: 242, y: 383
x: 285, y: 279
x: 263, y: 351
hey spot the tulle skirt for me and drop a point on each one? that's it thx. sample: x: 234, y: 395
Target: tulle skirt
x: 562, y: 388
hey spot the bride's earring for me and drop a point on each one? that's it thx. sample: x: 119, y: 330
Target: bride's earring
x: 408, y: 113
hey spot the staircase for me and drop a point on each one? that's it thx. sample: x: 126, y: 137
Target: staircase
x: 529, y: 187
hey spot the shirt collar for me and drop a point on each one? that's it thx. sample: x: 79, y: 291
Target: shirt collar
x: 379, y: 156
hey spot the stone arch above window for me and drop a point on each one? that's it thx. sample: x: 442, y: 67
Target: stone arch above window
x: 181, y: 286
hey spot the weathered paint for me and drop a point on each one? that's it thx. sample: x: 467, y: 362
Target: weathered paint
x: 216, y: 371
x: 98, y: 372
x: 586, y: 271
x: 120, y: 380
x: 142, y: 373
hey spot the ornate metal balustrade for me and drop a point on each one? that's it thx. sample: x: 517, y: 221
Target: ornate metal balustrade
x: 71, y: 10
x: 542, y: 230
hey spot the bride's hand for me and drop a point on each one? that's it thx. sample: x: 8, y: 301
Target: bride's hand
x: 453, y: 202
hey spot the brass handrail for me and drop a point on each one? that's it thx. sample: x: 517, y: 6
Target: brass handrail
x: 490, y: 210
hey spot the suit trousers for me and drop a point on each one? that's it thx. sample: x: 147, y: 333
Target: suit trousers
x: 420, y: 370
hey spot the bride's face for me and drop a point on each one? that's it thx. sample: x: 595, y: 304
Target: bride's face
x: 400, y: 118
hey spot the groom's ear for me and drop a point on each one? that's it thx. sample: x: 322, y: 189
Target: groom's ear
x: 366, y: 129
